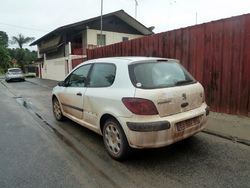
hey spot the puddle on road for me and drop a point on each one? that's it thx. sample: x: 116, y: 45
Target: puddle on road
x: 20, y: 100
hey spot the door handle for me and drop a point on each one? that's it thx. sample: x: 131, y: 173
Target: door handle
x: 79, y: 94
x: 183, y: 105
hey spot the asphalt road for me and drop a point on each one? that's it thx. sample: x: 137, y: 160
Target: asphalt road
x: 30, y: 153
x: 68, y: 155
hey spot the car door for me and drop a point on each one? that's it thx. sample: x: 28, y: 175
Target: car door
x: 99, y: 92
x: 72, y: 95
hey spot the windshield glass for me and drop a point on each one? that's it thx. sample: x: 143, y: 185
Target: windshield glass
x: 159, y: 75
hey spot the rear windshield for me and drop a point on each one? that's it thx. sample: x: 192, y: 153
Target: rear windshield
x: 15, y: 70
x: 159, y: 75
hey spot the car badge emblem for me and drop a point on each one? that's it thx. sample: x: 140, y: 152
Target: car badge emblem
x: 184, y: 96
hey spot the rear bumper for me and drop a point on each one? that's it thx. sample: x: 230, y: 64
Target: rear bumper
x: 148, y: 126
x: 18, y: 77
x: 154, y: 132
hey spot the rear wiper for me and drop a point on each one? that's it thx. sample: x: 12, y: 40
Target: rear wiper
x: 182, y: 82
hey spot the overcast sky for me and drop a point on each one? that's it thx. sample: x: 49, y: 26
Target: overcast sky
x: 35, y: 18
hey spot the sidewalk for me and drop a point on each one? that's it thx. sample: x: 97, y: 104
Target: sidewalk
x: 232, y: 127
x: 43, y: 82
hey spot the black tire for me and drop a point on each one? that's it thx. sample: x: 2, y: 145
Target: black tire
x: 57, y: 110
x: 115, y: 140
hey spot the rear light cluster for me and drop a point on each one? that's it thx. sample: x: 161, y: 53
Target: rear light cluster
x: 203, y: 97
x: 140, y: 106
x: 16, y: 72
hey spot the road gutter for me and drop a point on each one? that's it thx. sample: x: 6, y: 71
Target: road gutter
x: 228, y: 137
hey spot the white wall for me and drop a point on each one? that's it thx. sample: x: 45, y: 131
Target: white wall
x: 54, y: 69
x: 111, y: 37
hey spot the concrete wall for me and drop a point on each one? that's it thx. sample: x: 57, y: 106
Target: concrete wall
x: 55, y: 69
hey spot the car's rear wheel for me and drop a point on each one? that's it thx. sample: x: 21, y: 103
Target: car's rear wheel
x: 115, y: 140
x: 57, y: 110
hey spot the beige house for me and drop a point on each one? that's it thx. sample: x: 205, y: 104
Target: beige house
x: 65, y: 47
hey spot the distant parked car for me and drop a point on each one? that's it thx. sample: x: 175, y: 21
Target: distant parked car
x: 13, y: 74
x: 133, y: 102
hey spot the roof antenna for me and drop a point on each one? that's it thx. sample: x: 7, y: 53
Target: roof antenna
x: 136, y: 4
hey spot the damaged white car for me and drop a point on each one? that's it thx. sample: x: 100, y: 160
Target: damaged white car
x: 133, y: 102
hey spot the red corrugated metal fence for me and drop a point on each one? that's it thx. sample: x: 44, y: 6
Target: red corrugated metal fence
x: 76, y: 62
x: 216, y: 53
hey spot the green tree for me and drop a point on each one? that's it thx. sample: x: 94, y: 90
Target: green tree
x: 21, y: 40
x: 5, y: 58
x: 20, y: 54
x: 4, y: 39
x: 30, y: 55
x: 23, y: 56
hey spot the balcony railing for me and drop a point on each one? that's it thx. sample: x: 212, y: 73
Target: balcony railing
x: 77, y: 49
x: 80, y: 49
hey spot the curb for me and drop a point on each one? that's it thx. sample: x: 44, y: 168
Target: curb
x: 228, y: 137
x: 42, y: 85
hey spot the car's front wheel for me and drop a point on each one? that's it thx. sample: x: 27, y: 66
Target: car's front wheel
x: 57, y: 110
x: 115, y: 140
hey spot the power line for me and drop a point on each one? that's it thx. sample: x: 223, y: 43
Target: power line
x: 23, y: 27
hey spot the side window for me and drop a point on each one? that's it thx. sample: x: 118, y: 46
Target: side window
x: 78, y: 77
x: 102, y: 75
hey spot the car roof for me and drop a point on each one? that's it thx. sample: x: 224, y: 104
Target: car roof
x: 125, y: 59
x: 131, y: 59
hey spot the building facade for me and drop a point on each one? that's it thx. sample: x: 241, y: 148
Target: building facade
x: 63, y: 48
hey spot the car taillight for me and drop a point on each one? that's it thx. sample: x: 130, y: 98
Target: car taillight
x: 203, y: 97
x: 140, y: 106
x: 8, y: 72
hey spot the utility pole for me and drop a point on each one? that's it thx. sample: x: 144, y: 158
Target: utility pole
x: 196, y: 15
x: 101, y: 15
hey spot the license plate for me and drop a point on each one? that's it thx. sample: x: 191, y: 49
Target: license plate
x: 188, y: 123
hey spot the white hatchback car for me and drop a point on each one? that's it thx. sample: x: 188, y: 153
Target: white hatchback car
x: 133, y: 102
x: 14, y: 74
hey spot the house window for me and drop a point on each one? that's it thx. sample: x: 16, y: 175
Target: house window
x: 124, y: 38
x: 101, y: 40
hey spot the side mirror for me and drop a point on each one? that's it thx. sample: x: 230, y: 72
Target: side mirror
x: 61, y: 83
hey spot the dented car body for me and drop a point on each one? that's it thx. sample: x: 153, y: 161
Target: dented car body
x: 134, y: 102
